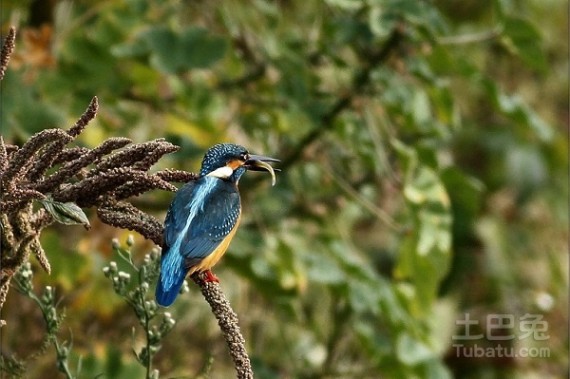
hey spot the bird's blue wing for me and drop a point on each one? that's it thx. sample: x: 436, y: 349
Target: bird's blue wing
x: 212, y: 213
x: 178, y: 213
x: 201, y: 215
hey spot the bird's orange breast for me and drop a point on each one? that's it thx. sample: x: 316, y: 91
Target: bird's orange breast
x: 209, y: 262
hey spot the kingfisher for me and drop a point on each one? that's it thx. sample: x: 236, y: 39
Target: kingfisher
x: 204, y: 217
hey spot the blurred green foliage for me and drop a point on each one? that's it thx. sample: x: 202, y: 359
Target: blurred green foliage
x: 424, y: 175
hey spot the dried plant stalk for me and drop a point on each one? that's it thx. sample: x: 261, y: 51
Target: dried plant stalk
x: 103, y: 177
x: 7, y: 49
x: 228, y: 322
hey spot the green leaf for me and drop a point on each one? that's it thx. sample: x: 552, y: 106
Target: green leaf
x: 517, y: 110
x: 525, y: 167
x: 201, y: 49
x: 381, y: 24
x: 163, y: 44
x: 421, y: 108
x: 465, y: 193
x: 374, y: 342
x: 411, y: 351
x: 130, y: 49
x: 435, y: 369
x: 363, y: 298
x: 425, y: 252
x: 173, y: 52
x: 66, y: 213
x: 322, y: 269
x: 523, y: 39
x: 422, y: 14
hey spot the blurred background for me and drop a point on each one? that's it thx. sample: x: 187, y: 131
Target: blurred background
x: 422, y: 207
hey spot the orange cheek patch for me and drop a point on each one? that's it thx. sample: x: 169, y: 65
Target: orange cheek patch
x: 235, y: 163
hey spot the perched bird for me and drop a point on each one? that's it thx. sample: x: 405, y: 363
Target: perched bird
x: 204, y: 216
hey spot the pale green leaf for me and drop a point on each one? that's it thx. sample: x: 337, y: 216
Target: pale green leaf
x: 66, y: 213
x: 411, y: 351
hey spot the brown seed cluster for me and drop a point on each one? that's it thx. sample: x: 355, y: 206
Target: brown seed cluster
x: 45, y: 168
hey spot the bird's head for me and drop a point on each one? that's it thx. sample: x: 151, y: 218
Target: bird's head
x: 229, y: 161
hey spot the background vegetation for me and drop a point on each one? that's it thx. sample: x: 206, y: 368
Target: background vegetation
x: 424, y: 176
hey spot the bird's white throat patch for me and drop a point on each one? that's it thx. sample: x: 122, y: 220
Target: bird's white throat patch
x: 222, y: 172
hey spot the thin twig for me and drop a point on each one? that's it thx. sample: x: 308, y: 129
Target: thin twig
x: 359, y: 81
x: 381, y: 214
x: 464, y: 39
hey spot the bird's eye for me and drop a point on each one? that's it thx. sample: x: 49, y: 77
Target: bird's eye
x: 244, y: 156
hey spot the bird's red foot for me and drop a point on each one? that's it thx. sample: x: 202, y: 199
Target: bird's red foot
x: 202, y: 277
x: 210, y: 277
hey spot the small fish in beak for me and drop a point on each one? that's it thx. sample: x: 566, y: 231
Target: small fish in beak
x: 259, y: 163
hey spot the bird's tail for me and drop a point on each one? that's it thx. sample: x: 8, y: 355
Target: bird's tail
x: 172, y: 275
x: 166, y: 295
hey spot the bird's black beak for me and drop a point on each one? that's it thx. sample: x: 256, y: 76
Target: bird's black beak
x: 259, y: 163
